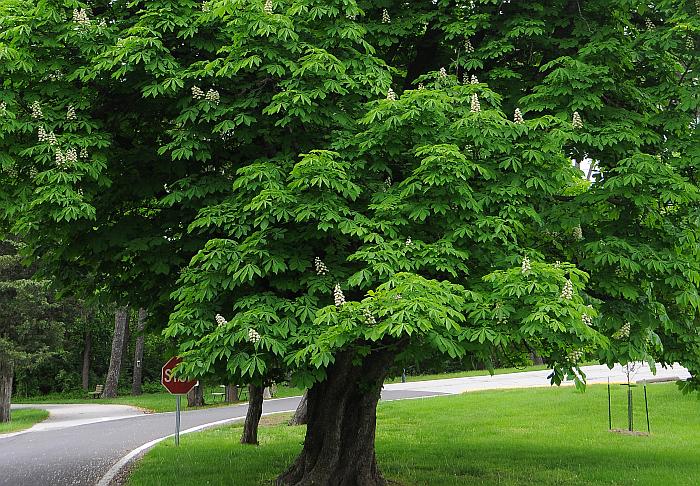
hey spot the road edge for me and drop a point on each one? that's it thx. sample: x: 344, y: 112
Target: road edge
x: 113, y: 472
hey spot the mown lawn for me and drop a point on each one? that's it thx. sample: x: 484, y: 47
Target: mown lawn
x: 23, y: 419
x: 549, y: 436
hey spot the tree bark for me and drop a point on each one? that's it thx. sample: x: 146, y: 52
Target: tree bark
x: 138, y: 354
x: 6, y: 373
x: 127, y: 339
x: 300, y: 416
x: 342, y: 416
x: 231, y: 393
x: 121, y: 322
x: 87, y: 349
x: 252, y: 418
x: 195, y: 398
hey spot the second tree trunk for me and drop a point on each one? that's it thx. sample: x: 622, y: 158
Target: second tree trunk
x: 252, y: 418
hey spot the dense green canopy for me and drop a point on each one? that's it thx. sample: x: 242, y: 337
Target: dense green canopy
x: 269, y: 160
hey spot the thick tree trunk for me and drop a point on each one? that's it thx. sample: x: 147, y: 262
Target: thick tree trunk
x: 195, y: 398
x: 342, y: 416
x: 300, y: 416
x: 121, y: 322
x: 6, y: 373
x: 231, y: 394
x: 87, y: 349
x: 536, y: 359
x: 138, y: 354
x: 252, y: 418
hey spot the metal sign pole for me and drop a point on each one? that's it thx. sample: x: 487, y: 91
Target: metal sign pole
x: 177, y: 420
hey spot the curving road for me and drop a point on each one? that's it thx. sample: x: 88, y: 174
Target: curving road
x: 79, y: 444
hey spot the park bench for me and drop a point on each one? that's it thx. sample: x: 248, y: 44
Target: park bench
x: 220, y: 394
x: 97, y: 393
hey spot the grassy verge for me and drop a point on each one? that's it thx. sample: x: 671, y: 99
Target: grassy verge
x: 153, y: 402
x: 513, y: 437
x: 23, y: 419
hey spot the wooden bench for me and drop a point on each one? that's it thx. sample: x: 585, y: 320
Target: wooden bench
x: 97, y: 393
x: 221, y: 394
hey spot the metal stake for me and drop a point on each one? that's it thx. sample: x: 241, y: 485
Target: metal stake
x: 609, y: 408
x: 646, y: 405
x: 630, y: 418
x: 177, y: 420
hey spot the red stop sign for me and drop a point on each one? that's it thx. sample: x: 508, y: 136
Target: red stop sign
x: 174, y: 385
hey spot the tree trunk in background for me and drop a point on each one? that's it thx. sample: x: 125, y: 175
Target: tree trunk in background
x: 342, y: 417
x: 138, y: 354
x: 300, y: 416
x: 127, y: 338
x: 231, y: 393
x: 195, y: 398
x: 121, y: 322
x: 87, y: 349
x: 536, y: 360
x: 6, y: 372
x: 252, y: 418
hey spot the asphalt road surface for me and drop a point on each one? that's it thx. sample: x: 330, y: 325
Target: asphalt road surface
x: 81, y: 455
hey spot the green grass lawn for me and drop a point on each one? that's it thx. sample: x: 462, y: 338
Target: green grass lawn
x: 153, y: 402
x: 23, y: 419
x: 549, y: 436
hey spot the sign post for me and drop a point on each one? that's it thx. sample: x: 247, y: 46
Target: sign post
x: 176, y: 387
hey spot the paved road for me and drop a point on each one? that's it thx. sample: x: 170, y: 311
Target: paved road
x: 66, y: 453
x: 81, y: 455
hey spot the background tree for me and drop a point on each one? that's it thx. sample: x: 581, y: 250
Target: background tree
x: 31, y: 328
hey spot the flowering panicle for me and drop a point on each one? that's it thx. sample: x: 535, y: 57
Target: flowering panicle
x: 268, y: 7
x: 368, y: 317
x: 420, y: 87
x: 567, y: 293
x: 253, y: 336
x: 697, y: 6
x: 623, y: 332
x: 321, y: 268
x: 3, y: 108
x: 80, y: 17
x: 557, y: 264
x: 338, y: 296
x: 220, y: 320
x: 390, y: 95
x: 71, y: 155
x: 587, y: 320
x: 474, y: 80
x: 476, y: 105
x: 60, y: 158
x: 575, y: 355
x: 468, y: 46
x: 70, y: 113
x: 197, y: 93
x: 385, y: 17
x: 212, y: 96
x: 388, y: 182
x: 525, y: 267
x: 83, y: 153
x: 398, y: 297
x: 443, y: 72
x: 36, y: 110
x: 409, y: 241
x: 689, y: 43
x: 52, y: 139
x: 518, y: 117
x: 577, y: 233
x: 649, y: 24
x: 43, y: 136
x: 577, y: 122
